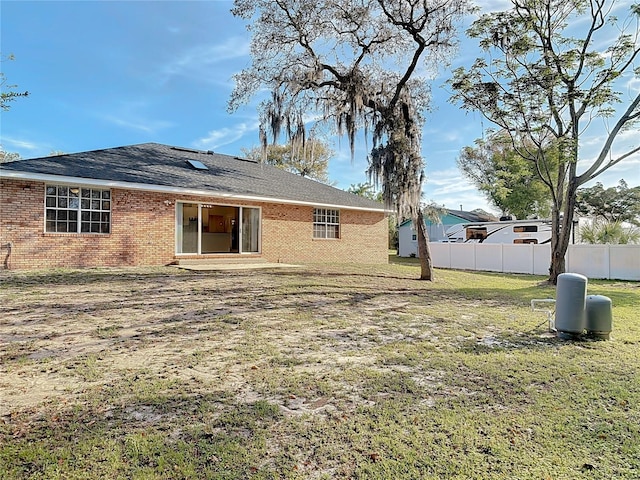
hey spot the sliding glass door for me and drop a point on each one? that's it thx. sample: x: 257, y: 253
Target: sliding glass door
x: 250, y: 230
x: 208, y: 228
x: 187, y: 228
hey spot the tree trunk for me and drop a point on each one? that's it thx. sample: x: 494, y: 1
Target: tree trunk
x: 557, y: 265
x: 561, y: 232
x: 426, y: 265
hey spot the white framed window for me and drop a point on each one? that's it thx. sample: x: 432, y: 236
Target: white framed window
x: 71, y: 209
x: 326, y: 223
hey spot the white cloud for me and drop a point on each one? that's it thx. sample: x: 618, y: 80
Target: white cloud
x: 137, y: 123
x: 629, y: 168
x: 25, y: 148
x: 225, y: 136
x: 17, y: 144
x: 488, y: 6
x: 134, y: 115
x: 633, y: 85
x: 199, y: 61
x: 449, y: 188
x: 449, y: 136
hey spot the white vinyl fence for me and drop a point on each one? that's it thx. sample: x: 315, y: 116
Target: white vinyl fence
x: 620, y: 262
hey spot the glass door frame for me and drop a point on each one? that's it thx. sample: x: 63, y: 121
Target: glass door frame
x: 179, y: 234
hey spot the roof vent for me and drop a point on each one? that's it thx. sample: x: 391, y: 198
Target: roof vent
x: 189, y: 150
x: 246, y: 160
x: 198, y: 165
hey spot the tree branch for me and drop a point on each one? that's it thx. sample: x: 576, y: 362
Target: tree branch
x: 595, y: 168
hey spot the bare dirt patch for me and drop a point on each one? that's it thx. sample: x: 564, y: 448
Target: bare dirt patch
x: 314, y: 372
x: 215, y: 329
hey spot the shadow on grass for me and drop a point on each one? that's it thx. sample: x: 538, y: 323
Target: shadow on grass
x: 541, y: 289
x: 128, y: 437
x: 505, y: 341
x: 303, y: 290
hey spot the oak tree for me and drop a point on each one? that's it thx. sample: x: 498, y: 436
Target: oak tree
x: 357, y: 65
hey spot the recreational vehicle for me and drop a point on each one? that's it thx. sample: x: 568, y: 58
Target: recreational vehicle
x: 511, y: 231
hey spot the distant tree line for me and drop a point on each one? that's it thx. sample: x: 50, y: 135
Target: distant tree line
x: 511, y: 184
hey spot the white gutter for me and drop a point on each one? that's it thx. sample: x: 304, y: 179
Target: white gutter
x: 90, y: 182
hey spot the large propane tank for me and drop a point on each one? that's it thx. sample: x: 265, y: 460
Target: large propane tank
x: 571, y: 294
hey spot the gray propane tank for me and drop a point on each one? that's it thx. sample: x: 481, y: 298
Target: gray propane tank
x: 599, y: 317
x: 571, y: 294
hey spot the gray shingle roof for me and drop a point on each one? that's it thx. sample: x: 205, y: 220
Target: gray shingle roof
x: 472, y: 216
x: 462, y: 215
x: 156, y: 165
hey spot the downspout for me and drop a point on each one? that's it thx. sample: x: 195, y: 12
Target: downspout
x: 7, y: 259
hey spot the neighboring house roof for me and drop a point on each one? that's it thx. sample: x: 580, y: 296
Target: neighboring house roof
x: 156, y: 167
x: 472, y: 216
x: 462, y: 215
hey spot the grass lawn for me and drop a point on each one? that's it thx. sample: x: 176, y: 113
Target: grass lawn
x: 315, y: 372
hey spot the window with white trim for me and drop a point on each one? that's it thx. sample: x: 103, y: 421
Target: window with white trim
x: 70, y: 209
x: 326, y: 223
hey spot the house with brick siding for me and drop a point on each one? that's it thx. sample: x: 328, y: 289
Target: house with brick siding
x: 153, y: 204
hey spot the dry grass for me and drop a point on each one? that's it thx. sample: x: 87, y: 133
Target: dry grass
x: 321, y: 372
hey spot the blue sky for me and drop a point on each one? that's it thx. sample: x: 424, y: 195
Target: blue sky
x: 109, y: 73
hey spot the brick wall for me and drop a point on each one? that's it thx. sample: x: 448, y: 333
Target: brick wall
x: 143, y: 232
x: 287, y: 236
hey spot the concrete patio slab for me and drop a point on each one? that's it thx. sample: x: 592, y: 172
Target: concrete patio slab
x: 233, y: 266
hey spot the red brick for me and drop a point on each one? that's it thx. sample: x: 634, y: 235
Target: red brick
x: 143, y: 232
